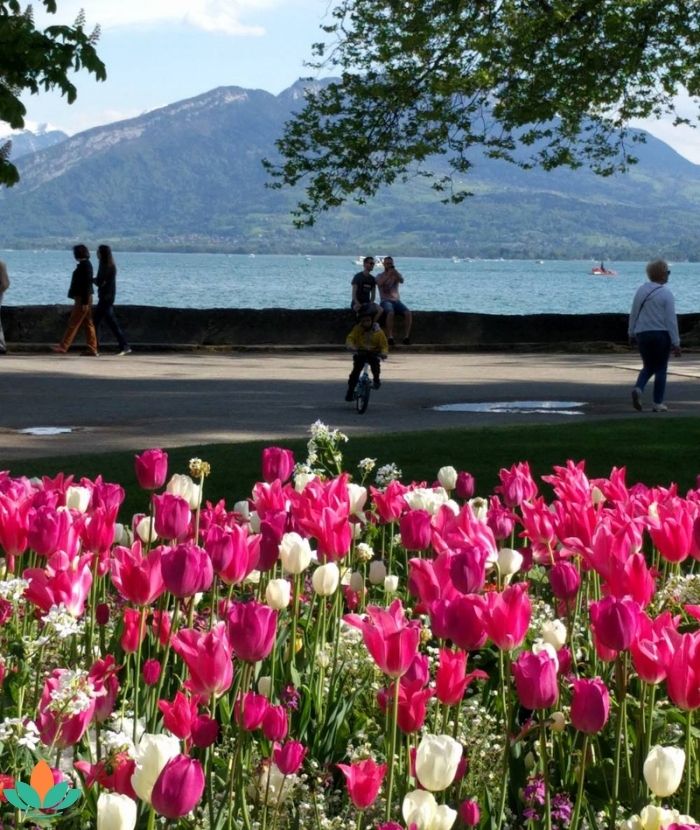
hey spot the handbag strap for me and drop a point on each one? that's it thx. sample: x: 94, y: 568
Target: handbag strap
x: 642, y: 306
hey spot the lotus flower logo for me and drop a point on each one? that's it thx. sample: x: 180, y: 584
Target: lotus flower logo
x: 41, y: 795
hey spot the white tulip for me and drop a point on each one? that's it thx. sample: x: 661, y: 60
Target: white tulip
x: 358, y: 497
x: 254, y: 522
x: 437, y: 760
x: 265, y: 685
x: 357, y: 582
x: 295, y: 553
x: 509, y: 561
x: 78, y: 498
x: 356, y: 530
x: 554, y: 633
x: 447, y: 476
x: 597, y: 496
x: 391, y: 584
x: 377, y: 572
x: 243, y: 509
x: 184, y: 486
x: 278, y: 593
x: 426, y: 498
x: 274, y: 785
x: 454, y: 507
x: 633, y: 823
x: 115, y: 812
x: 301, y: 480
x: 663, y: 770
x: 479, y: 508
x: 420, y: 808
x: 558, y: 721
x: 122, y: 535
x: 325, y: 579
x: 152, y: 754
x: 146, y: 530
x: 539, y: 646
x: 657, y: 818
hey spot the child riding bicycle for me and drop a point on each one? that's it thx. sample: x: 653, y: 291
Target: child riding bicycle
x: 369, y: 346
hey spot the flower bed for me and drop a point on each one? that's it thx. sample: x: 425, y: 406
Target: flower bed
x: 333, y: 654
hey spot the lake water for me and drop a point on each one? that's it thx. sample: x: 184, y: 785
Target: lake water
x: 239, y: 281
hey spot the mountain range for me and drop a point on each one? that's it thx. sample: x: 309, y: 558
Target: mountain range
x: 188, y: 176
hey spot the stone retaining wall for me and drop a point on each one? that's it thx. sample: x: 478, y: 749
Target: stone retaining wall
x: 148, y: 326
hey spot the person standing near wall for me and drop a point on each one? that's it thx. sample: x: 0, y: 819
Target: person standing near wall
x: 654, y: 327
x: 4, y: 285
x: 80, y: 292
x: 106, y: 282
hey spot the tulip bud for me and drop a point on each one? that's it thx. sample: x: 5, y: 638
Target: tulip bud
x: 151, y: 469
x: 558, y: 721
x: 554, y: 633
x: 377, y: 572
x: 179, y: 787
x: 509, y: 561
x: 78, y: 498
x: 295, y: 553
x: 151, y: 672
x: 437, y: 760
x: 447, y: 476
x: 357, y: 582
x: 278, y: 593
x: 183, y: 486
x: 469, y: 813
x: 152, y: 754
x: 465, y: 486
x: 325, y: 579
x: 265, y: 685
x: 115, y: 812
x: 145, y: 530
x: 391, y: 584
x: 663, y: 770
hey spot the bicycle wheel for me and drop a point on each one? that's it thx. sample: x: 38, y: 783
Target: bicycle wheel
x: 362, y: 398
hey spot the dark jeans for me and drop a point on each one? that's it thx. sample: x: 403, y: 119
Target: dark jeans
x: 105, y: 311
x: 654, y: 348
x: 358, y: 362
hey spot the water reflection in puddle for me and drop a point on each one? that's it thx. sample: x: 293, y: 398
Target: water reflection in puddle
x: 45, y: 430
x: 516, y: 407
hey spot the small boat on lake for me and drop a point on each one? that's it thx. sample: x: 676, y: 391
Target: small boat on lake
x: 602, y: 271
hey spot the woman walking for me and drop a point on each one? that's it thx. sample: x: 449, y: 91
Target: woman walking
x: 106, y: 282
x: 80, y: 292
x: 654, y: 327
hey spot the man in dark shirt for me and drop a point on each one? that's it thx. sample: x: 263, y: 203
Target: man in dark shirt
x: 364, y: 289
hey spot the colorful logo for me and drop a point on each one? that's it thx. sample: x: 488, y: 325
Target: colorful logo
x: 41, y: 794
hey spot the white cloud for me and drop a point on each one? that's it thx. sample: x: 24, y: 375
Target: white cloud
x: 209, y: 15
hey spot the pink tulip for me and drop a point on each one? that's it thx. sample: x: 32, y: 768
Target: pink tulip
x: 277, y: 463
x: 331, y: 528
x: 364, y: 780
x: 452, y: 680
x: 416, y: 531
x: 565, y: 580
x: 390, y: 503
x: 250, y: 711
x: 463, y: 620
x: 103, y: 677
x: 272, y: 528
x: 590, y: 705
x: 654, y: 646
x: 63, y: 581
x: 683, y: 673
x: 208, y: 658
x: 672, y: 531
x: 275, y: 724
x: 252, y: 628
x: 151, y: 469
x: 14, y: 523
x: 289, y: 757
x: 538, y: 522
x: 508, y: 616
x: 205, y: 731
x: 412, y: 705
x: 469, y: 812
x: 536, y: 680
x: 138, y: 578
x: 429, y: 580
x: 178, y: 788
x: 419, y: 671
x: 614, y: 622
x: 180, y: 715
x: 50, y: 530
x: 631, y: 578
x: 465, y: 486
x: 133, y: 630
x: 391, y: 639
x: 151, y: 672
x: 234, y: 553
x: 58, y: 728
x: 500, y: 519
x: 517, y: 485
x: 468, y: 569
x: 171, y: 516
x: 161, y: 624
x: 186, y: 570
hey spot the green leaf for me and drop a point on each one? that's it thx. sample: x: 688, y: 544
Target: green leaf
x: 28, y: 794
x: 55, y: 794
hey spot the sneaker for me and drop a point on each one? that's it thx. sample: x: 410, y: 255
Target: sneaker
x: 659, y: 407
x: 88, y: 353
x: 125, y: 350
x: 58, y: 349
x: 391, y: 341
x: 637, y: 398
x: 348, y: 396
x: 377, y: 383
x: 407, y: 341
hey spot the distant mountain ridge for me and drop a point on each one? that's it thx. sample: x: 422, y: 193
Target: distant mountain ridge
x: 26, y: 142
x: 188, y: 177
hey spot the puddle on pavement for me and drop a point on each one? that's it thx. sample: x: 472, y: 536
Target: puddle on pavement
x: 45, y: 430
x: 516, y: 407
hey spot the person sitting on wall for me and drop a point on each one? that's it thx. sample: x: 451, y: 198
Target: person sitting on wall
x: 388, y: 283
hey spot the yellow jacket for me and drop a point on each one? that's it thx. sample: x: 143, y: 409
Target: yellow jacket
x: 362, y: 340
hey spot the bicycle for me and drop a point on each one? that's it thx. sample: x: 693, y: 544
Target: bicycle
x: 362, y: 391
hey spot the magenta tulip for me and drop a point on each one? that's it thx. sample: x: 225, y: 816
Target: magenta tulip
x: 250, y: 711
x: 413, y: 703
x: 186, y: 570
x: 138, y: 578
x: 469, y: 812
x: 451, y: 680
x: 133, y: 630
x: 178, y: 788
x: 180, y: 715
x: 463, y: 620
x: 252, y: 629
x: 364, y: 780
x: 517, y: 485
x: 468, y: 569
x: 508, y: 616
x: 565, y: 580
x: 465, y: 486
x: 151, y: 469
x: 59, y: 728
x: 171, y: 516
x: 614, y: 622
x: 590, y: 705
x: 391, y: 639
x: 289, y: 757
x: 49, y: 530
x: 416, y: 530
x: 536, y: 680
x: 151, y: 672
x: 277, y: 463
x: 208, y: 657
x: 683, y: 673
x: 275, y: 724
x: 205, y: 731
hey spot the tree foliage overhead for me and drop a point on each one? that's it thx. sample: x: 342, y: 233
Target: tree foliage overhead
x: 537, y: 82
x: 31, y: 60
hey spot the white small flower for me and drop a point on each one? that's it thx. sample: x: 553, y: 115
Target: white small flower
x: 13, y: 589
x: 63, y: 622
x: 366, y: 465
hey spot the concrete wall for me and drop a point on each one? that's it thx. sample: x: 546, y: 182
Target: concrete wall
x: 148, y: 326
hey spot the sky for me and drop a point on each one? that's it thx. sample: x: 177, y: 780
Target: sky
x: 161, y: 51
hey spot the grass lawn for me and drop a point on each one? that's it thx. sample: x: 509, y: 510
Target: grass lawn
x: 655, y: 450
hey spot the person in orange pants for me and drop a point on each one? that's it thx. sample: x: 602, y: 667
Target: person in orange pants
x: 80, y: 292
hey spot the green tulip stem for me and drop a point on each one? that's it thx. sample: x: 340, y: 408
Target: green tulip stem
x: 164, y: 663
x: 545, y: 770
x: 295, y: 614
x: 137, y: 672
x: 504, y: 666
x: 392, y: 747
x: 688, y: 761
x: 581, y: 779
x: 621, y: 717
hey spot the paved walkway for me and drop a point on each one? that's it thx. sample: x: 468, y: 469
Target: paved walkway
x: 134, y: 402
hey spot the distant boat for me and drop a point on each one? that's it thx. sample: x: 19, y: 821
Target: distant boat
x: 252, y: 255
x: 603, y: 272
x: 456, y: 259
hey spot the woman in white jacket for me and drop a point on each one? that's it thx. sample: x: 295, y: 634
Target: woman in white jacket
x: 654, y: 327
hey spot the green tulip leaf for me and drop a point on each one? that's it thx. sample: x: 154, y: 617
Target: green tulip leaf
x: 71, y: 797
x: 28, y: 794
x: 55, y: 794
x: 14, y: 799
